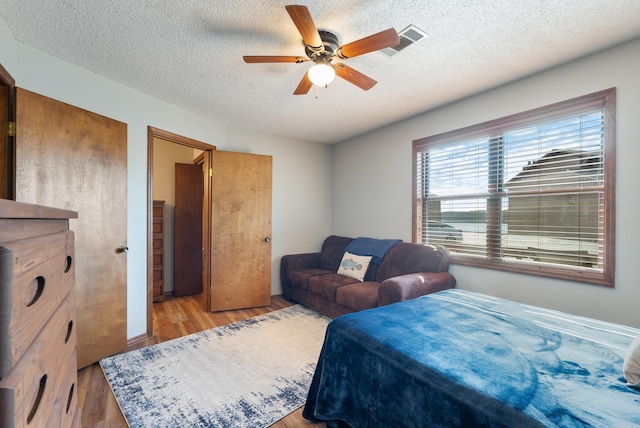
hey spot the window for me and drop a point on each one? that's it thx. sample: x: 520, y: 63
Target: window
x: 530, y: 193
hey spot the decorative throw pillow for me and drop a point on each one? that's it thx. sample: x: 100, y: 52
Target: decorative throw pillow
x: 631, y: 365
x: 354, y: 266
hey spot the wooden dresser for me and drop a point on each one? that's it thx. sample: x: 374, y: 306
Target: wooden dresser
x: 38, y: 367
x: 158, y: 251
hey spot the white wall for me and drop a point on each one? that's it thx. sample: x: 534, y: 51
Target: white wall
x: 305, y: 210
x: 8, y: 49
x: 373, y: 176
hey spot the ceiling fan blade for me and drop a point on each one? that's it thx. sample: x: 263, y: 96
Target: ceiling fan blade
x: 353, y: 76
x: 302, y: 19
x: 253, y: 59
x: 374, y: 42
x: 304, y: 85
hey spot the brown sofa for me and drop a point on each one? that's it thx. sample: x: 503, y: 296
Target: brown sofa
x: 407, y: 271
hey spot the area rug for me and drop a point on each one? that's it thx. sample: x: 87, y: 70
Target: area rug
x: 247, y: 374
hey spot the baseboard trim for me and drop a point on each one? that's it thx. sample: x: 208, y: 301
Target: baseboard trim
x: 134, y: 340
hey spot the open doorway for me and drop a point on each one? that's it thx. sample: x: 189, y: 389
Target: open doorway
x: 7, y: 135
x: 195, y: 152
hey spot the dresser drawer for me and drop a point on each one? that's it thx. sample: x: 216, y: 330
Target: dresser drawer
x: 158, y: 273
x: 34, y: 385
x: 158, y: 288
x: 77, y: 420
x: 158, y: 258
x: 158, y: 225
x: 66, y: 404
x: 40, y: 274
x: 67, y: 400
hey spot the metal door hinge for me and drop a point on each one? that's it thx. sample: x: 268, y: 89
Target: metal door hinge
x: 210, y: 172
x: 9, y: 129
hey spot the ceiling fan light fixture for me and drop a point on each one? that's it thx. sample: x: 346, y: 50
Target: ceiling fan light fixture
x: 322, y: 47
x: 321, y: 74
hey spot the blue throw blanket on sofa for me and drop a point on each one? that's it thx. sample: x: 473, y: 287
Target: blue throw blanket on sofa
x: 376, y: 248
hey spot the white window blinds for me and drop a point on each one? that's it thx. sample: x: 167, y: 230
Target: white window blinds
x: 530, y: 193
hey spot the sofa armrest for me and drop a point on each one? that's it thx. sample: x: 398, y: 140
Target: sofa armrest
x: 298, y: 261
x: 301, y: 261
x: 410, y: 286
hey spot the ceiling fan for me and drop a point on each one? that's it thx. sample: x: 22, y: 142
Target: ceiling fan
x: 322, y: 47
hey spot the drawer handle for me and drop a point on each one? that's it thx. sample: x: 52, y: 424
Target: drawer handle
x: 70, y: 397
x: 69, y: 330
x: 67, y: 264
x: 34, y: 409
x: 39, y: 289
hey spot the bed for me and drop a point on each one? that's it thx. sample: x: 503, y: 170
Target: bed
x: 461, y: 359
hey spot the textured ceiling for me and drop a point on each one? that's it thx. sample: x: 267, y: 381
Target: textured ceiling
x: 189, y: 53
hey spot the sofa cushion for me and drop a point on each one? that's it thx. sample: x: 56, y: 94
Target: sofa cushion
x: 360, y: 296
x: 354, y: 266
x: 300, y: 277
x: 332, y: 251
x: 326, y: 285
x: 406, y: 257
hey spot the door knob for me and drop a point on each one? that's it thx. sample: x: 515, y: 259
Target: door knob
x: 267, y: 239
x: 122, y: 249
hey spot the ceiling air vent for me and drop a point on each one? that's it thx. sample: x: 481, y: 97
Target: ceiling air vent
x: 408, y: 36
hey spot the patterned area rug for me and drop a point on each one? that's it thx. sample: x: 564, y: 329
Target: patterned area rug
x: 247, y: 374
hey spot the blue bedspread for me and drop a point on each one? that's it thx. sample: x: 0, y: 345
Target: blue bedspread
x: 462, y: 359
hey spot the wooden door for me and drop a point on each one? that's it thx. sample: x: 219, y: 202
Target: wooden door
x: 6, y: 166
x: 240, y: 231
x: 7, y: 130
x: 187, y: 238
x: 73, y: 159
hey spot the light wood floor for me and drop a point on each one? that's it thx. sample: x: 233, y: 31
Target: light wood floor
x: 175, y: 317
